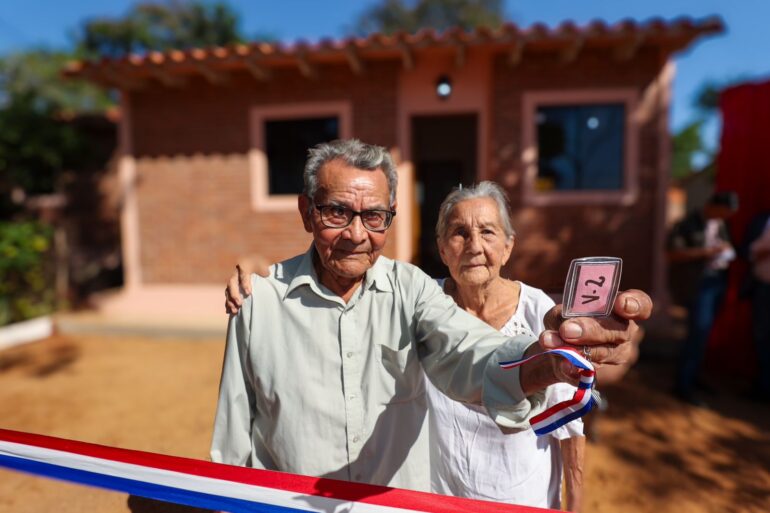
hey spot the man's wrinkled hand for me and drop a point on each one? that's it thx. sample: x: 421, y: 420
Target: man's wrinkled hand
x: 239, y: 284
x: 611, y: 339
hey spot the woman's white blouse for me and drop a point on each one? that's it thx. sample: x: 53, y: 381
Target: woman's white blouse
x: 471, y: 457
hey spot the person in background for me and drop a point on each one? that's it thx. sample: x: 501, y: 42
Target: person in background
x: 756, y: 249
x: 699, y: 253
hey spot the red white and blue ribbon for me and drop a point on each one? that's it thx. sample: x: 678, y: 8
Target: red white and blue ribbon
x: 215, y: 486
x: 565, y: 411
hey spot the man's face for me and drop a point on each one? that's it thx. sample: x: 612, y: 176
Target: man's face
x: 347, y: 253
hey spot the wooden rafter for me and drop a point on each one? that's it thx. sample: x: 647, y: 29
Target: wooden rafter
x: 461, y: 50
x: 120, y: 81
x: 516, y: 53
x: 213, y: 76
x: 307, y: 69
x: 627, y: 50
x: 354, y: 60
x: 166, y: 78
x: 407, y: 57
x: 570, y: 52
x: 261, y: 73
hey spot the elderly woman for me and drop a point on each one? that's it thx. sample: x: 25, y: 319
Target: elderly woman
x: 471, y: 457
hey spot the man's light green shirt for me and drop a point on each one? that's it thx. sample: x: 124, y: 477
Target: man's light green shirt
x: 314, y: 386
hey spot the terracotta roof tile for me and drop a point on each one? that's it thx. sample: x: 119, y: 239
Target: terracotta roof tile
x: 672, y: 35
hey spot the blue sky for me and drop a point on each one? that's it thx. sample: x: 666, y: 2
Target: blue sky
x: 741, y: 52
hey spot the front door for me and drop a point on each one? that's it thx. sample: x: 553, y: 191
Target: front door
x: 444, y: 153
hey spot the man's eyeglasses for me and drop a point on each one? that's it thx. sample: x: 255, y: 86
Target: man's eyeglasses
x: 336, y: 216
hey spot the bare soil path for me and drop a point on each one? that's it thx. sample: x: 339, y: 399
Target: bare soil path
x: 654, y: 454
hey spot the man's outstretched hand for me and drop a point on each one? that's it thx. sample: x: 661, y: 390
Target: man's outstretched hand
x: 611, y: 340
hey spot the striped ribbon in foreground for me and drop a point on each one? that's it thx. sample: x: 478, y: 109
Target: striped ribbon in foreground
x: 566, y: 411
x: 215, y: 486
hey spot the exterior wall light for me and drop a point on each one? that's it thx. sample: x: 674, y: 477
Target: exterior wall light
x: 443, y: 87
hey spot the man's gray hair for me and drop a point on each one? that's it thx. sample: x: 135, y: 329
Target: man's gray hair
x: 483, y: 190
x: 354, y: 153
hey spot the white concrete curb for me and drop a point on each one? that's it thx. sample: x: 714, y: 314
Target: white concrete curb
x: 25, y: 331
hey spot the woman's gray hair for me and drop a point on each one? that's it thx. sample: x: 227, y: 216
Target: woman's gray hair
x: 354, y: 153
x: 482, y: 190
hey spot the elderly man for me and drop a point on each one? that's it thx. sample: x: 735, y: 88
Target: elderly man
x: 322, y: 367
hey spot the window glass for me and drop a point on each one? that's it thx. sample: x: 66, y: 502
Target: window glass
x: 580, y: 147
x: 286, y: 145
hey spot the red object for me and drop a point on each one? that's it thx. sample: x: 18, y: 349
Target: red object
x: 743, y: 166
x: 304, y: 485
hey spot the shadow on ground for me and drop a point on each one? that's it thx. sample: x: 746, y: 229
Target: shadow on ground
x: 40, y: 361
x: 677, y: 451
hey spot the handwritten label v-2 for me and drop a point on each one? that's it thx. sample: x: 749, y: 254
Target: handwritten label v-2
x: 598, y: 283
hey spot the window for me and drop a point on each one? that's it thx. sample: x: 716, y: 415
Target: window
x: 280, y: 138
x: 286, y: 144
x: 580, y: 147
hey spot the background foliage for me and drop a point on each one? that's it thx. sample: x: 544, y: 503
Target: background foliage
x: 160, y: 26
x: 390, y: 16
x: 25, y: 271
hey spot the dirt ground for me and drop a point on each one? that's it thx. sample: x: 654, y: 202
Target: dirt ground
x: 653, y: 454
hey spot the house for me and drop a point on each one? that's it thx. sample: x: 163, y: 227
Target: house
x: 571, y: 120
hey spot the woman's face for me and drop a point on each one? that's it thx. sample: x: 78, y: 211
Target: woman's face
x: 475, y: 246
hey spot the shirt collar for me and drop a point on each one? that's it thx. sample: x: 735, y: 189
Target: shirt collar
x: 305, y: 274
x: 376, y: 276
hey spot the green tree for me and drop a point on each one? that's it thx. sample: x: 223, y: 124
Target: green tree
x: 38, y: 72
x: 36, y: 144
x: 25, y: 271
x: 403, y: 15
x: 35, y: 147
x: 687, y: 143
x: 707, y: 95
x: 160, y: 26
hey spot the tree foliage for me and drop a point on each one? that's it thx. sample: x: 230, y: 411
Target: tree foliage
x: 160, y: 26
x: 35, y: 148
x: 36, y: 144
x: 391, y: 16
x: 687, y: 143
x: 25, y: 273
x: 38, y: 73
x: 707, y: 95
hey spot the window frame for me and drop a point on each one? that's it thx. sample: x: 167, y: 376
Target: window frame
x: 261, y: 199
x: 529, y: 147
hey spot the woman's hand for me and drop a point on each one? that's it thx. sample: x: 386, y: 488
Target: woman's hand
x: 239, y: 284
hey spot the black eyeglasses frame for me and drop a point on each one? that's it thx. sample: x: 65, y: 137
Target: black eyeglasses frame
x: 389, y: 215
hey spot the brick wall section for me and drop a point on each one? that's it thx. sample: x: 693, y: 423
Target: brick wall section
x: 549, y: 237
x: 191, y: 145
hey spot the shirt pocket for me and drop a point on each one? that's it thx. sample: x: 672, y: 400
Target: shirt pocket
x: 401, y: 373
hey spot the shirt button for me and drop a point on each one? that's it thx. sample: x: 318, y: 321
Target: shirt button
x: 352, y: 396
x: 349, y: 355
x: 356, y: 439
